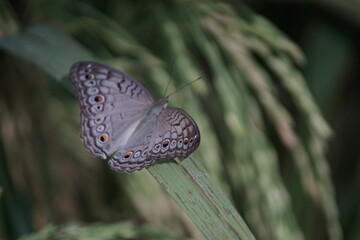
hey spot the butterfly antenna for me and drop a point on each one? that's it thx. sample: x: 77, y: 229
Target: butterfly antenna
x: 184, y: 86
x: 171, y: 73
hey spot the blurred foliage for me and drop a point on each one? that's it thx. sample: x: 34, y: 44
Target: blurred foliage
x: 98, y: 231
x: 264, y: 140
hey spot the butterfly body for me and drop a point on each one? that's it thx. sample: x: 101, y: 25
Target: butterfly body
x: 122, y: 123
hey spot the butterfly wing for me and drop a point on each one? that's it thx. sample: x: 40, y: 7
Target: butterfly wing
x: 173, y: 133
x: 112, y: 105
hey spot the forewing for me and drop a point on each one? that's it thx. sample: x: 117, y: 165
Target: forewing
x: 112, y: 104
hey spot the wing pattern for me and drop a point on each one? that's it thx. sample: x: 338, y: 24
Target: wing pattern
x: 111, y: 103
x: 173, y: 134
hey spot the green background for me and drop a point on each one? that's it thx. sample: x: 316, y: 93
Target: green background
x: 277, y: 107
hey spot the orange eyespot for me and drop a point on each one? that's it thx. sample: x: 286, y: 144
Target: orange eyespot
x: 165, y: 143
x: 128, y: 154
x: 89, y: 76
x: 104, y: 138
x: 98, y: 99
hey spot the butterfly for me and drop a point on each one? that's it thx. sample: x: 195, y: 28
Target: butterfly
x: 122, y: 123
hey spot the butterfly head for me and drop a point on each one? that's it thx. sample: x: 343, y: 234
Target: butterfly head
x: 164, y: 101
x: 158, y: 106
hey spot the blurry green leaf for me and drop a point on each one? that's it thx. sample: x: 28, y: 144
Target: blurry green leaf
x: 13, y: 205
x: 49, y: 49
x: 98, y: 231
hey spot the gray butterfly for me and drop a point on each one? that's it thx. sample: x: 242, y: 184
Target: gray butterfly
x: 121, y: 122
